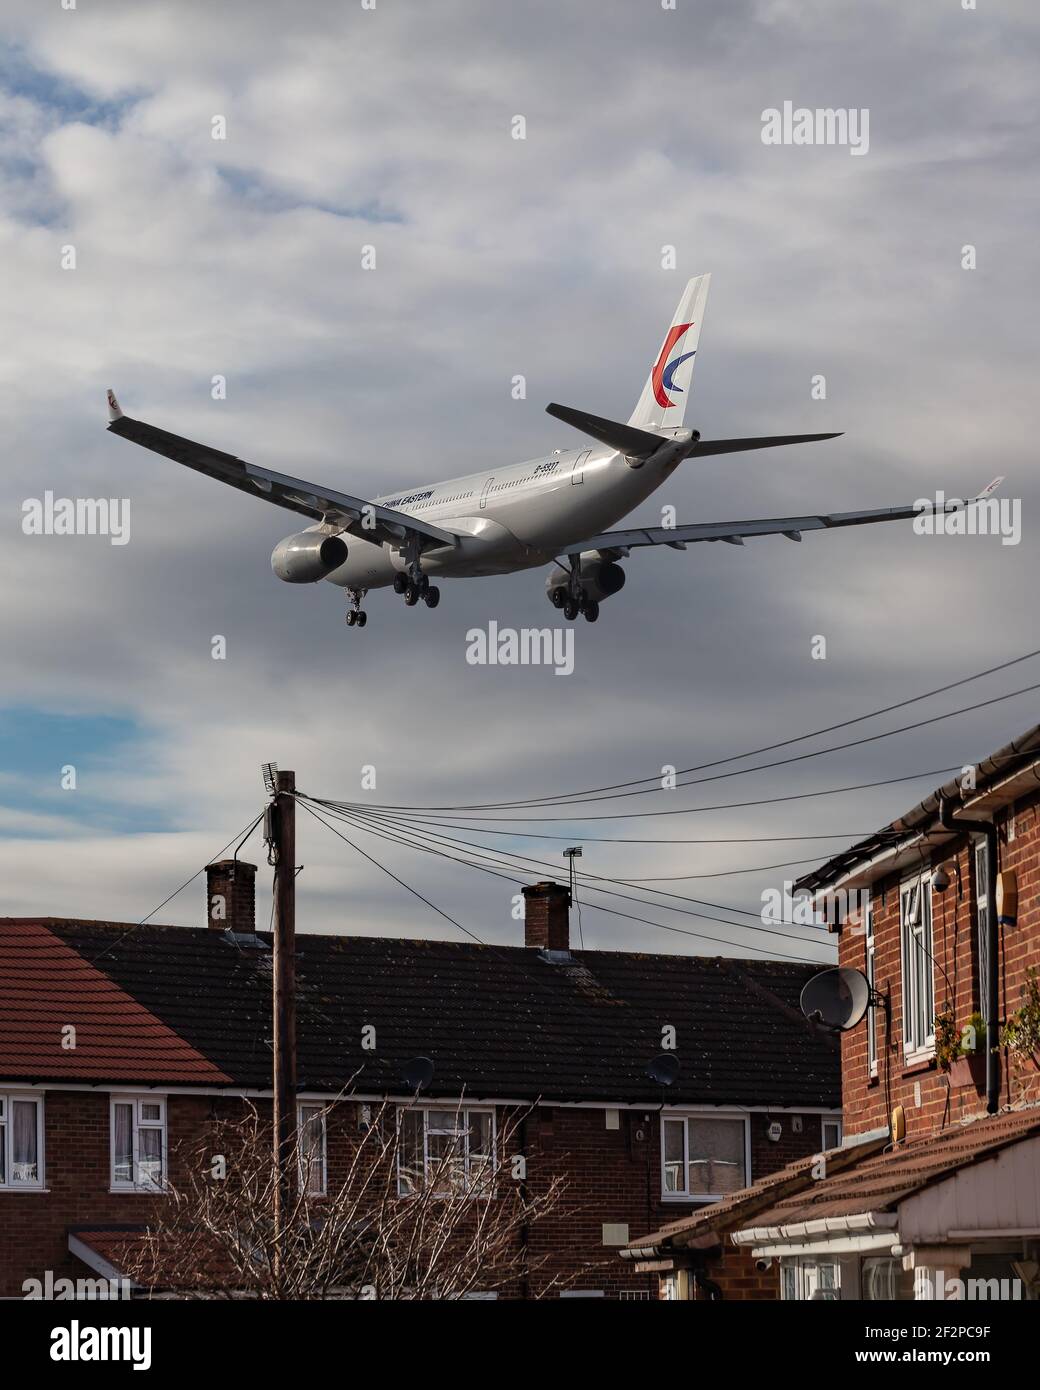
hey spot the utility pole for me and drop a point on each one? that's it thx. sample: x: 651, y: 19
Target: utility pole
x: 283, y: 839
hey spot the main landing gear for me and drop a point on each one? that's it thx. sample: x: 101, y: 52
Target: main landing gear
x: 356, y: 617
x: 416, y: 587
x: 572, y: 606
x: 573, y: 599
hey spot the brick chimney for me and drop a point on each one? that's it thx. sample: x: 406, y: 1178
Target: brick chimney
x: 546, y: 916
x: 231, y: 896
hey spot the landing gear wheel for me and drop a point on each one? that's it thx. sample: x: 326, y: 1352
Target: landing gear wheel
x: 362, y: 618
x: 591, y: 610
x: 558, y: 597
x: 570, y: 609
x: 352, y: 618
x: 411, y: 593
x: 432, y: 596
x: 424, y: 585
x: 400, y: 583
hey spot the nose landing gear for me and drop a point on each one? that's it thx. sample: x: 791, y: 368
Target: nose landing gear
x: 356, y: 617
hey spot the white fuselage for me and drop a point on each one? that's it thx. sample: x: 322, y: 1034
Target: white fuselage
x: 513, y: 518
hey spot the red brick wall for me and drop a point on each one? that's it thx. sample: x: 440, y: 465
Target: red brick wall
x: 613, y: 1176
x: 33, y: 1225
x: 867, y: 1103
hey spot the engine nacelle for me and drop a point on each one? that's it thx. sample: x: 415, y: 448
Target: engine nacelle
x: 599, y: 578
x: 308, y: 556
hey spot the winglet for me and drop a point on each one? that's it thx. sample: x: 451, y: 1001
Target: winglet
x: 988, y: 490
x: 114, y: 412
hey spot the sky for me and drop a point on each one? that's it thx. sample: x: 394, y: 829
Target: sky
x: 392, y: 126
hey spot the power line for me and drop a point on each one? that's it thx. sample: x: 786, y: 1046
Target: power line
x: 785, y: 762
x: 598, y: 907
x: 404, y: 826
x: 591, y: 793
x: 426, y: 846
x: 424, y: 818
x: 241, y: 837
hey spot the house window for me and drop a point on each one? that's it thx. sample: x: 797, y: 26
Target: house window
x: 310, y: 1125
x: 830, y: 1133
x: 981, y: 851
x: 704, y: 1156
x: 915, y: 916
x: 450, y: 1151
x: 21, y: 1142
x: 138, y: 1143
x: 883, y: 1278
x: 868, y: 922
x: 802, y: 1279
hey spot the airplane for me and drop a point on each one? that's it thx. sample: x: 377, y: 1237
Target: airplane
x: 548, y: 510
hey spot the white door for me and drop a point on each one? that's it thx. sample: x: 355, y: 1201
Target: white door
x: 578, y: 471
x: 484, y: 493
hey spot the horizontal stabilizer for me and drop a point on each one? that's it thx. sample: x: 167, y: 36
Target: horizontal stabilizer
x: 765, y: 441
x: 627, y: 440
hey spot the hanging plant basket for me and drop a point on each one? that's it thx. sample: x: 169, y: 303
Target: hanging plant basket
x: 969, y: 1070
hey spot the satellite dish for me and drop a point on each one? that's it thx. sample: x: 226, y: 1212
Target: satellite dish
x: 664, y: 1069
x: 836, y: 999
x: 418, y: 1073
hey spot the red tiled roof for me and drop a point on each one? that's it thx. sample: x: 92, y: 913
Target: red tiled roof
x: 46, y: 986
x: 873, y: 1177
x: 881, y: 1181
x: 704, y: 1226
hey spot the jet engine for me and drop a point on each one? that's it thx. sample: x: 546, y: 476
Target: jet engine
x: 308, y: 556
x: 600, y: 578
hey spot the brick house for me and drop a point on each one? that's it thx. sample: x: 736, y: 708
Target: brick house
x: 120, y: 1043
x: 936, y: 1182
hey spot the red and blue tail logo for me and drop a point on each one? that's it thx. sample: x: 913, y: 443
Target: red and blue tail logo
x: 663, y: 376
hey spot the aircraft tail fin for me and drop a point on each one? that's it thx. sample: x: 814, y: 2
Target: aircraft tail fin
x: 663, y: 402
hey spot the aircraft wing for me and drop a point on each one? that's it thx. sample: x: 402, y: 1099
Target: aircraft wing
x: 678, y: 537
x: 363, y: 519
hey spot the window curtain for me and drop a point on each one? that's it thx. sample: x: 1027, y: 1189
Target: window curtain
x: 122, y: 1121
x: 24, y: 1157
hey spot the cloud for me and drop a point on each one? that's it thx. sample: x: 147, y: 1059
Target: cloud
x: 242, y: 257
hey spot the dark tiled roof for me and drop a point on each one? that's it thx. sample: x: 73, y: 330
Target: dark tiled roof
x: 498, y: 1022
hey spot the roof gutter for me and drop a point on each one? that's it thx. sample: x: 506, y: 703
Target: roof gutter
x: 989, y: 830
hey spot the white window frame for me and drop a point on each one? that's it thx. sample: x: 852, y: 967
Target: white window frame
x: 825, y: 1121
x: 10, y: 1183
x: 686, y: 1116
x: 139, y: 1184
x: 462, y: 1114
x: 980, y: 867
x: 869, y: 962
x: 918, y: 1020
x: 321, y: 1112
x: 803, y: 1272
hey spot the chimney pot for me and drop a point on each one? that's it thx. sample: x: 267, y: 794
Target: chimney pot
x: 547, y: 916
x: 231, y: 896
